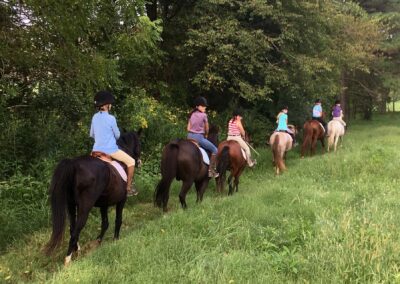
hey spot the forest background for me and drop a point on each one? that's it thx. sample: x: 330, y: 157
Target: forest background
x: 157, y: 56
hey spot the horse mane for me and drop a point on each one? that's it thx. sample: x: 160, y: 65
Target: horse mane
x: 129, y: 142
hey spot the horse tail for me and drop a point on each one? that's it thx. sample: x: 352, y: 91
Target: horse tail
x: 169, y: 165
x: 223, y: 165
x: 278, y: 156
x: 61, y: 184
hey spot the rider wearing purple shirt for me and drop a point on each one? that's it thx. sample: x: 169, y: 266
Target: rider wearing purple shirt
x: 198, y: 130
x: 337, y: 113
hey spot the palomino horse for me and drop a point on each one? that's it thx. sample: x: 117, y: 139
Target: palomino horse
x: 312, y: 132
x: 81, y: 183
x: 281, y: 142
x: 230, y: 158
x: 335, y: 131
x: 182, y: 159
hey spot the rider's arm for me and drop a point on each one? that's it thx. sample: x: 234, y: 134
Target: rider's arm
x: 188, y: 126
x: 91, y: 130
x: 206, y: 129
x: 240, y: 126
x: 115, y: 128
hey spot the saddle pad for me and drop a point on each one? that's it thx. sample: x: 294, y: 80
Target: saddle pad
x: 206, y: 159
x: 322, y: 126
x: 119, y: 169
x: 107, y: 158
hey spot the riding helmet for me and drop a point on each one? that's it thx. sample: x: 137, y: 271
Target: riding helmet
x: 317, y: 101
x: 284, y: 107
x: 103, y: 98
x: 337, y: 102
x: 200, y: 101
x: 237, y: 112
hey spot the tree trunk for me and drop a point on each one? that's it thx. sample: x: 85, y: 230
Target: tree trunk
x: 343, y: 96
x: 151, y: 9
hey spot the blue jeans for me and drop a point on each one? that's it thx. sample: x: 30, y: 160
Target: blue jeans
x: 204, y: 143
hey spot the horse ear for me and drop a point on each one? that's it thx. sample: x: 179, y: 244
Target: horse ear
x: 139, y: 132
x: 123, y: 130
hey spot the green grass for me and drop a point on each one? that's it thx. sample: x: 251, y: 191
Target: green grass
x: 332, y: 218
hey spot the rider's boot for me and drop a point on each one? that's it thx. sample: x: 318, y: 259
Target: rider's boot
x: 212, y: 169
x: 129, y: 189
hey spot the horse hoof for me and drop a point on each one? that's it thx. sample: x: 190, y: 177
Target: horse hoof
x: 67, y: 260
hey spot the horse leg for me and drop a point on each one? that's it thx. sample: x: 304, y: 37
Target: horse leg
x: 323, y: 144
x: 73, y: 242
x: 237, y: 179
x: 72, y: 220
x: 104, y: 222
x: 230, y: 192
x: 118, y: 218
x: 184, y: 190
x: 313, y: 145
x: 200, y: 189
x: 336, y: 142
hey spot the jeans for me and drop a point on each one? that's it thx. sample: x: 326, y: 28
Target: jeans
x: 204, y: 143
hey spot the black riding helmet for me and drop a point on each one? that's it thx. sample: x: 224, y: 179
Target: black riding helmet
x: 200, y: 101
x: 103, y: 98
x: 237, y: 112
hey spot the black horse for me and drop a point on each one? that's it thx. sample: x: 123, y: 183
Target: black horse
x: 84, y: 182
x: 182, y: 159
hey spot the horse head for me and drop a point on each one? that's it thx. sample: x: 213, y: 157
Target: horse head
x: 213, y: 134
x: 129, y: 142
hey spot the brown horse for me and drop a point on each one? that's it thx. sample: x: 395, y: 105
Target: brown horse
x: 230, y: 158
x: 182, y: 160
x: 312, y: 132
x: 281, y: 142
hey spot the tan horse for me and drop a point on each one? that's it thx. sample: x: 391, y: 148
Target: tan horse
x: 281, y: 142
x: 335, y: 131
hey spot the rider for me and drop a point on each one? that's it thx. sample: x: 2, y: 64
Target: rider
x: 282, y: 120
x: 197, y: 128
x: 317, y: 114
x: 236, y: 132
x: 337, y: 113
x: 105, y: 132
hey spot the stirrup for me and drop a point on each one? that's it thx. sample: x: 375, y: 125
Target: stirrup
x: 212, y: 174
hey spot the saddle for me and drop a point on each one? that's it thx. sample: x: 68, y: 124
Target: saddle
x: 204, y: 154
x: 108, y: 159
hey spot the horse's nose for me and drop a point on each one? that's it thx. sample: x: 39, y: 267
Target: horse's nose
x: 139, y: 163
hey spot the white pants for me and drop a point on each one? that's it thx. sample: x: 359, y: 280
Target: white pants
x: 242, y: 144
x: 340, y: 120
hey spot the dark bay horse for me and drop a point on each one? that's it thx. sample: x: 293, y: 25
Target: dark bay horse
x: 84, y: 182
x: 182, y: 159
x: 230, y: 158
x: 312, y: 132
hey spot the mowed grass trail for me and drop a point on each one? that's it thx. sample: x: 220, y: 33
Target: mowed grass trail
x: 332, y: 218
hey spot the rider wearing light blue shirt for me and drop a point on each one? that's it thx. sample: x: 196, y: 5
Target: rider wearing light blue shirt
x: 317, y: 114
x: 282, y: 120
x: 107, y: 132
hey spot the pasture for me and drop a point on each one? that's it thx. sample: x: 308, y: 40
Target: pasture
x: 328, y: 219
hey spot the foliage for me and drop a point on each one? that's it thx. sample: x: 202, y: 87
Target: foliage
x: 330, y: 218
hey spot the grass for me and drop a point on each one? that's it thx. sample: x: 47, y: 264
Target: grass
x: 330, y: 218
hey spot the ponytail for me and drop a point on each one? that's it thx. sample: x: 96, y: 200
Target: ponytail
x: 193, y: 111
